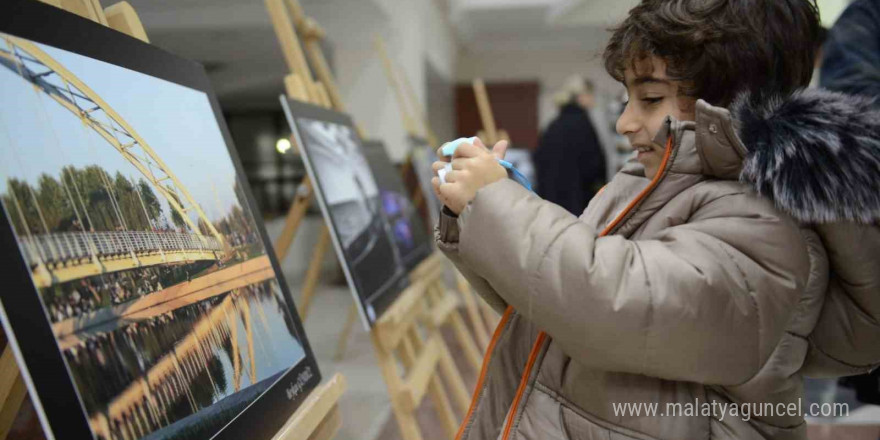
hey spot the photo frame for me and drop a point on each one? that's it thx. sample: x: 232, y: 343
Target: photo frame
x: 143, y: 298
x: 351, y: 203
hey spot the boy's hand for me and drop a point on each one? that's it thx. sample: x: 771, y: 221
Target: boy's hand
x: 473, y: 167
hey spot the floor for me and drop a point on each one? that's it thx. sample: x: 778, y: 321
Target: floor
x: 365, y: 406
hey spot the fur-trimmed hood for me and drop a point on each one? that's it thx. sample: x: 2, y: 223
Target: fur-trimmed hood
x: 815, y: 154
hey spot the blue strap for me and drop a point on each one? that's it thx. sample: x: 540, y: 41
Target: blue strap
x: 515, y: 174
x: 448, y: 150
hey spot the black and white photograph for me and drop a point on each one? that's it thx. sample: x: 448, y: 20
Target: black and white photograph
x: 352, y: 203
x: 410, y: 235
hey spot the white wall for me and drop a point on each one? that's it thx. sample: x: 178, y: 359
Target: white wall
x: 414, y: 31
x: 830, y: 10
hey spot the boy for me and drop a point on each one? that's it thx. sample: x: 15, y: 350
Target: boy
x: 695, y: 280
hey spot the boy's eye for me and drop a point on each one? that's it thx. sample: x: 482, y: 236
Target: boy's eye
x: 652, y: 100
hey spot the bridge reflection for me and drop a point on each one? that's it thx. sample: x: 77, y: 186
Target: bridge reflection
x: 148, y: 403
x: 74, y: 331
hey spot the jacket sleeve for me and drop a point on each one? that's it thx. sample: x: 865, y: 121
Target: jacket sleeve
x: 446, y: 237
x: 845, y: 339
x: 706, y: 301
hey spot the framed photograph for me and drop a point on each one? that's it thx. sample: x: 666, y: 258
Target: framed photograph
x: 413, y: 242
x: 141, y: 295
x: 351, y: 202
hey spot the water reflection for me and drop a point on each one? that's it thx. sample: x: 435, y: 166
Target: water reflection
x: 166, y: 375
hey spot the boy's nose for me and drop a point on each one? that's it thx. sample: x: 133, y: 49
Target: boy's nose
x: 627, y: 122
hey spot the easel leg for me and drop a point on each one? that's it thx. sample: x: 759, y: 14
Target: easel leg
x: 464, y: 338
x: 12, y: 391
x: 455, y: 381
x: 443, y: 407
x: 462, y: 334
x: 450, y: 371
x: 294, y: 217
x: 314, y: 272
x: 328, y: 427
x: 435, y: 389
x: 346, y: 331
x: 406, y: 421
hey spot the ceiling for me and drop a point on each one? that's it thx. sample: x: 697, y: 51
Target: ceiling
x: 501, y: 25
x: 235, y: 41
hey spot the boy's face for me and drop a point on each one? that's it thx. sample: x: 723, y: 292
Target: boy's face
x: 651, y: 97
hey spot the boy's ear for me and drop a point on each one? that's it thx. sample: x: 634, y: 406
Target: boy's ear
x: 686, y: 104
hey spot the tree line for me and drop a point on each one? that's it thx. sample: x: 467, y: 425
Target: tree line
x: 90, y: 199
x: 87, y: 199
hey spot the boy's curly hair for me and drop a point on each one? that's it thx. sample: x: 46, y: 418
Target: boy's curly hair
x: 719, y: 48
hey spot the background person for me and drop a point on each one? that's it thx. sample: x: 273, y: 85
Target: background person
x: 851, y: 64
x: 569, y: 162
x: 851, y: 54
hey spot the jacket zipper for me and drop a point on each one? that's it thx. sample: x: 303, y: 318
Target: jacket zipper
x: 523, y: 382
x: 483, y: 370
x: 539, y: 342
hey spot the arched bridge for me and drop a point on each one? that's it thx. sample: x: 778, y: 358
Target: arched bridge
x: 60, y: 257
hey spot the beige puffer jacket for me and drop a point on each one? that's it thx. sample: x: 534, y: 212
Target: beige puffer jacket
x: 708, y: 285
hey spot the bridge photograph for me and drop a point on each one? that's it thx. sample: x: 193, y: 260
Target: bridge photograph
x: 132, y: 223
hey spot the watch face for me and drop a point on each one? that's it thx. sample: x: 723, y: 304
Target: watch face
x: 146, y: 301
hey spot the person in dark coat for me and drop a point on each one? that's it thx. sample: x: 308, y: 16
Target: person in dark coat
x: 569, y: 161
x: 851, y: 54
x: 851, y: 64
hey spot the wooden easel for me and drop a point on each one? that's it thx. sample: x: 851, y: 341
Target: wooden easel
x: 318, y: 416
x: 490, y: 131
x: 408, y: 334
x: 12, y: 390
x: 290, y: 24
x: 288, y: 19
x: 409, y: 110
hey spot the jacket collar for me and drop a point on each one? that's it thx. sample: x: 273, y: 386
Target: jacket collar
x: 815, y: 155
x: 720, y: 150
x: 709, y: 145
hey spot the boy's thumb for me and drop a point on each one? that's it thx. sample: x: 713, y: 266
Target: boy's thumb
x: 500, y: 149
